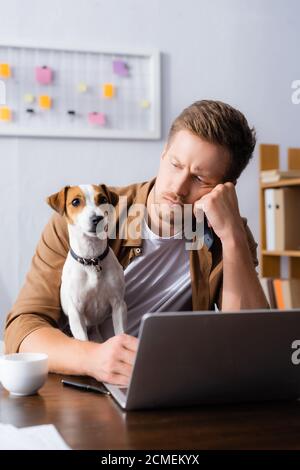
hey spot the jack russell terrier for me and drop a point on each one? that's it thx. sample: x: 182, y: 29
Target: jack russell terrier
x: 93, y: 283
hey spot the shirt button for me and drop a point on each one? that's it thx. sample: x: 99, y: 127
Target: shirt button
x: 138, y: 251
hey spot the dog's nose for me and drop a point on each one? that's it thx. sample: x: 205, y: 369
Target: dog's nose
x: 96, y: 219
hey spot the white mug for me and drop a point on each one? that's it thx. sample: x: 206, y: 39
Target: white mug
x: 23, y: 373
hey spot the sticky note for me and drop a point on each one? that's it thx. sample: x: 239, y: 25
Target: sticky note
x: 82, y: 87
x: 108, y: 90
x: 28, y: 98
x: 120, y: 68
x: 5, y: 113
x: 145, y: 104
x: 97, y: 118
x: 43, y: 75
x: 5, y: 71
x: 45, y: 102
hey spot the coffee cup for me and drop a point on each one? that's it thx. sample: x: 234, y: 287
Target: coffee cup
x: 23, y: 373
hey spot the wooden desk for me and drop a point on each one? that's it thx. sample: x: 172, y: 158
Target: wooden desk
x: 92, y: 421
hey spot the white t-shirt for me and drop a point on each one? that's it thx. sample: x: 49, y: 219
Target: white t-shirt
x: 158, y: 280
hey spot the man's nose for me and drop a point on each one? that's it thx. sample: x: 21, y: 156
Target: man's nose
x: 96, y: 219
x: 181, y: 186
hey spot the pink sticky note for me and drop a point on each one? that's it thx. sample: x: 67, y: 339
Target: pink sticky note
x: 96, y: 118
x: 120, y: 68
x: 43, y: 75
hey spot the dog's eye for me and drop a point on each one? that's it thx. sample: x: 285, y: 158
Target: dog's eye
x: 75, y: 202
x: 102, y: 200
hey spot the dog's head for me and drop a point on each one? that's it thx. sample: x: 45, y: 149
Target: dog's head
x: 84, y: 206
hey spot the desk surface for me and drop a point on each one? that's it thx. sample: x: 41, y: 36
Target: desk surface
x: 92, y: 421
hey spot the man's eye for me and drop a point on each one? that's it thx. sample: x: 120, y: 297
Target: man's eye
x: 102, y: 200
x: 200, y: 180
x: 75, y: 202
x: 197, y: 178
x: 174, y: 164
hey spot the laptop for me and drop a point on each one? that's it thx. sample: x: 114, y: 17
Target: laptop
x: 195, y: 358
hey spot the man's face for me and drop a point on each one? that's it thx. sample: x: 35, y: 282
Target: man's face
x: 189, y: 168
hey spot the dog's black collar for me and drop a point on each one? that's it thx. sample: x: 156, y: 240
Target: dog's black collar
x: 91, y: 261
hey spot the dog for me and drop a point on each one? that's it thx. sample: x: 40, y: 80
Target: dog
x: 93, y: 284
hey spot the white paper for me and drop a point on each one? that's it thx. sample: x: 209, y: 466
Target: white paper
x: 45, y: 437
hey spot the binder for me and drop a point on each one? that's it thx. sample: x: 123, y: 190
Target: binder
x: 287, y: 214
x: 280, y: 225
x: 270, y: 219
x: 287, y: 293
x: 282, y: 211
x: 278, y: 289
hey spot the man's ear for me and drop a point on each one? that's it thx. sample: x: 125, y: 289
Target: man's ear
x: 58, y: 200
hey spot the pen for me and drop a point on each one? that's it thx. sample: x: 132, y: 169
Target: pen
x: 87, y: 387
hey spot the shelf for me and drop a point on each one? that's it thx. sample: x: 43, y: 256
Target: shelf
x: 271, y: 261
x: 279, y: 184
x: 281, y: 253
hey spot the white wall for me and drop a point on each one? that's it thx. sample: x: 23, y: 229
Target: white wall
x: 245, y: 53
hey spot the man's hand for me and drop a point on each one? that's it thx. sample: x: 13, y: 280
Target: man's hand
x: 222, y: 211
x: 112, y: 360
x: 241, y: 286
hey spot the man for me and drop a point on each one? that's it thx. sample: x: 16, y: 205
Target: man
x: 209, y: 145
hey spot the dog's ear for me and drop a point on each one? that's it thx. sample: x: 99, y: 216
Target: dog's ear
x: 58, y: 200
x: 114, y: 198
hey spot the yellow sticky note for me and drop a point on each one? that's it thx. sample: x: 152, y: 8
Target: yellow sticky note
x: 5, y: 71
x: 108, y: 90
x: 145, y: 104
x: 45, y: 102
x: 5, y: 113
x: 82, y: 87
x: 28, y: 98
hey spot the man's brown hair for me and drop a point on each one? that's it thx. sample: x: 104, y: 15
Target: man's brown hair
x: 219, y: 123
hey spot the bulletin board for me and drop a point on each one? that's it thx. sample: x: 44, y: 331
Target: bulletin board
x: 61, y: 92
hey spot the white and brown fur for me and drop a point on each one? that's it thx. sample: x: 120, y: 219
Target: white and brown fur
x: 87, y: 296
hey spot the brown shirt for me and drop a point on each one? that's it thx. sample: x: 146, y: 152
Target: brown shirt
x: 38, y: 303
